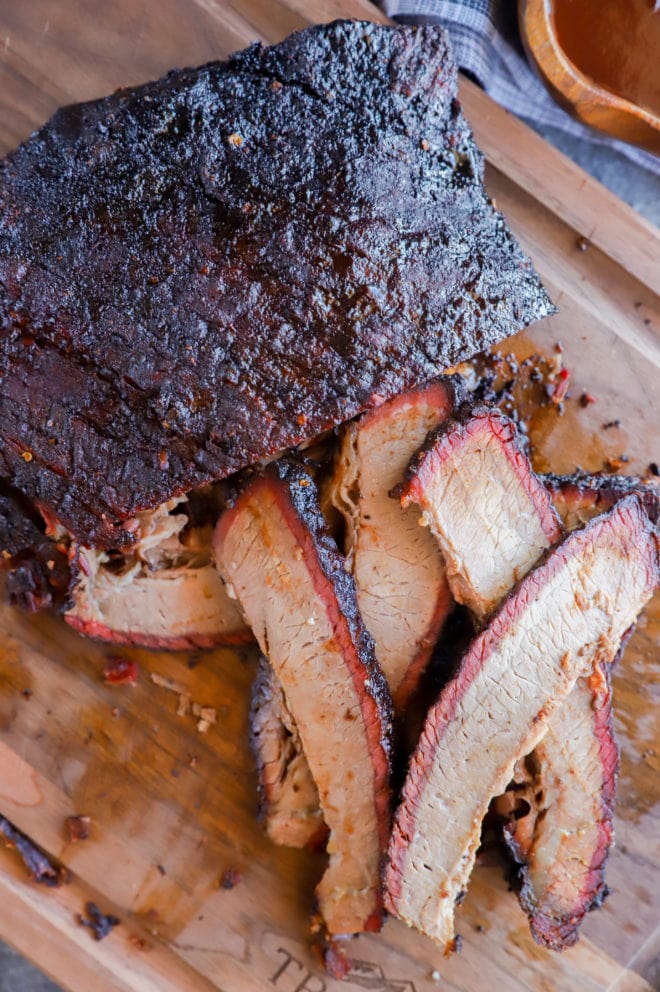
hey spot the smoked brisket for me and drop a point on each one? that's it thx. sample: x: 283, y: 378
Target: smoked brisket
x: 565, y: 617
x: 208, y: 269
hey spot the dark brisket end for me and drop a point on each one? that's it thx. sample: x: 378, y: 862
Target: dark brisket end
x: 583, y: 495
x: 37, y: 567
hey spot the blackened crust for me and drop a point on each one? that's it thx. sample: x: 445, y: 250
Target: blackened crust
x: 582, y: 490
x: 210, y: 268
x: 37, y: 568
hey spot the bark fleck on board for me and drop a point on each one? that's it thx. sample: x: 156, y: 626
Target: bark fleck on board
x: 164, y: 826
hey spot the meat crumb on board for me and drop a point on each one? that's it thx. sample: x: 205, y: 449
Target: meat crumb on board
x: 120, y: 671
x: 77, y: 828
x: 206, y: 715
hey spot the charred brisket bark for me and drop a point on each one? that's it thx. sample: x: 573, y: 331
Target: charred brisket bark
x: 210, y: 268
x: 37, y: 567
x: 273, y: 549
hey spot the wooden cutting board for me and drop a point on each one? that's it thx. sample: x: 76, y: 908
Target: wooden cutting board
x: 173, y: 809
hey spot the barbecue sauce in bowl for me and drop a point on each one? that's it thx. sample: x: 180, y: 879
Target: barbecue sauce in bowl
x: 616, y: 43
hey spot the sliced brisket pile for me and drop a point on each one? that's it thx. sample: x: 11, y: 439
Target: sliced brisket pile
x: 493, y: 518
x: 402, y: 592
x: 274, y: 551
x: 203, y: 273
x: 567, y: 616
x: 208, y: 269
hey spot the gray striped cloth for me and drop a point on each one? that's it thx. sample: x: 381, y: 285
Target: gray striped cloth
x: 487, y: 45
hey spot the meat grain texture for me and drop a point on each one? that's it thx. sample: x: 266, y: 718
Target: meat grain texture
x: 210, y: 268
x: 402, y: 589
x: 568, y: 615
x: 165, y: 593
x: 273, y: 549
x: 491, y: 515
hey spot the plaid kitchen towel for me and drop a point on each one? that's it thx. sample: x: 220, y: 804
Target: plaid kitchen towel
x: 487, y: 45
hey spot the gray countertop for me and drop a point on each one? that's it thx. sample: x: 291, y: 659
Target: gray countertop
x: 638, y: 188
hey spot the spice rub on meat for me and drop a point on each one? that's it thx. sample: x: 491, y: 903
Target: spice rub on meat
x: 490, y: 513
x: 566, y: 616
x: 205, y: 270
x: 402, y: 590
x: 273, y: 549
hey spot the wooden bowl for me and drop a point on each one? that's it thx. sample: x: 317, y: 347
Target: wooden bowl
x: 574, y: 90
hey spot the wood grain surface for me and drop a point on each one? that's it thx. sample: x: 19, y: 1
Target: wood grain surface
x: 173, y: 809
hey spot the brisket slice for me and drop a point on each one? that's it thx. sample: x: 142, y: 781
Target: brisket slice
x: 289, y: 798
x: 171, y: 609
x: 402, y: 594
x: 165, y: 594
x: 580, y: 497
x: 566, y: 615
x: 272, y: 547
x: 205, y: 270
x: 491, y: 515
x: 562, y: 843
x: 402, y: 590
